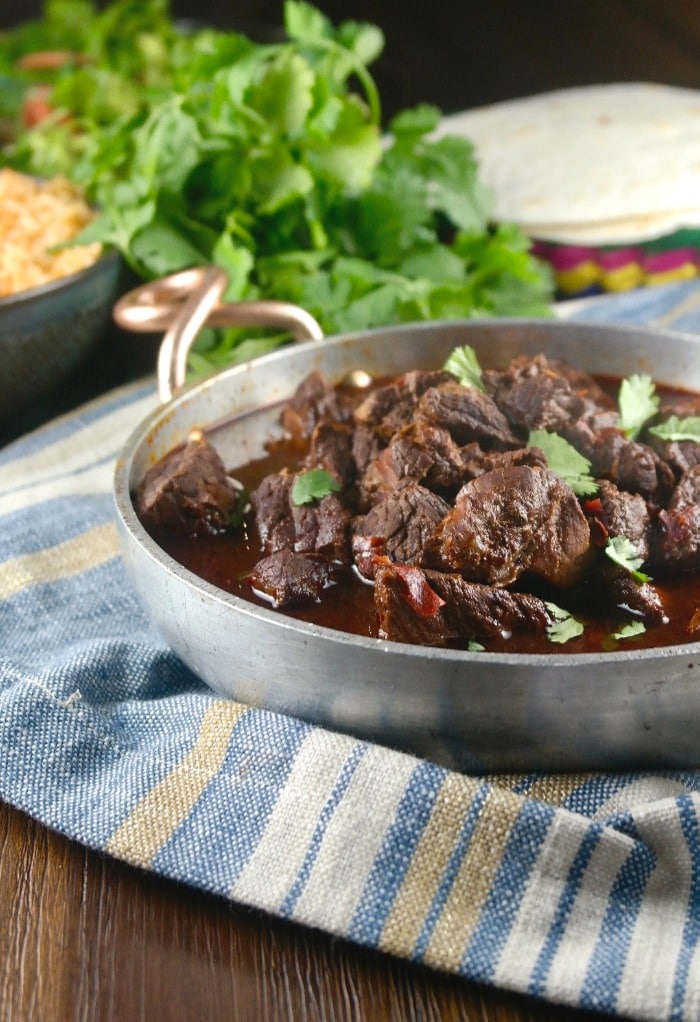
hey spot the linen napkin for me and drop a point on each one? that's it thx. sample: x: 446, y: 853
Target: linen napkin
x: 580, y: 889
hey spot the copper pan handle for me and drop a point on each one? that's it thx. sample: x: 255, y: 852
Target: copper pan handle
x: 184, y: 302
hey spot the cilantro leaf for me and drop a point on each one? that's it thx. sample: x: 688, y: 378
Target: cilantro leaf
x: 303, y: 22
x: 565, y: 461
x: 464, y: 364
x: 564, y: 626
x: 313, y: 485
x: 622, y: 552
x: 629, y: 631
x: 678, y: 429
x: 417, y: 121
x: 638, y: 402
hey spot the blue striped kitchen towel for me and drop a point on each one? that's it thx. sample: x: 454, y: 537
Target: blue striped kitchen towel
x: 582, y: 890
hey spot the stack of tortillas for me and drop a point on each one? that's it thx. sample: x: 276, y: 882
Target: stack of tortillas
x: 596, y: 165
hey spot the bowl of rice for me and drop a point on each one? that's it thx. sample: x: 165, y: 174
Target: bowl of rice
x: 56, y: 299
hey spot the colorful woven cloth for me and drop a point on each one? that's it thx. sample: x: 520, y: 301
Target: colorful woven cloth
x: 581, y: 270
x: 582, y: 890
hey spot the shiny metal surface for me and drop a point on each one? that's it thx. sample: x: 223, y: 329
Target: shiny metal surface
x: 184, y: 302
x: 476, y: 711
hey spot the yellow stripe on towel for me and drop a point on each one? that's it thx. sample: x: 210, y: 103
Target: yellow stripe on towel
x: 474, y: 880
x: 87, y: 550
x: 436, y: 845
x: 160, y: 812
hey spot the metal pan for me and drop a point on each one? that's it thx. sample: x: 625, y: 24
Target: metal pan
x: 476, y: 711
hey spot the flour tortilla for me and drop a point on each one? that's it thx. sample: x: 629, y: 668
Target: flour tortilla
x: 623, y: 231
x: 603, y: 163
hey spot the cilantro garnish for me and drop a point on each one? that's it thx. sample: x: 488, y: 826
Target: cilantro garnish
x: 677, y: 429
x: 475, y: 647
x: 564, y: 625
x: 565, y: 461
x: 629, y: 631
x: 464, y: 364
x: 313, y: 485
x: 638, y: 402
x: 622, y: 552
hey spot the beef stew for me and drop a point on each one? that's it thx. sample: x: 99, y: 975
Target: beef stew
x: 436, y: 519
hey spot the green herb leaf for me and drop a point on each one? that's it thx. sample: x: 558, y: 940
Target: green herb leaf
x: 564, y: 626
x: 629, y: 631
x: 417, y: 121
x: 678, y: 430
x: 638, y: 402
x: 464, y: 364
x: 313, y: 485
x: 306, y: 24
x: 565, y: 461
x: 622, y: 552
x: 475, y: 647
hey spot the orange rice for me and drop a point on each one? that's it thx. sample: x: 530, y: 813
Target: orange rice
x: 34, y: 217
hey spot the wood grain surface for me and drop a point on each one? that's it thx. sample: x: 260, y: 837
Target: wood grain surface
x: 85, y: 937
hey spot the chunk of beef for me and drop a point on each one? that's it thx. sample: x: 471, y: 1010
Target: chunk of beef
x: 389, y: 408
x: 679, y: 455
x: 187, y: 492
x: 419, y: 451
x: 620, y: 513
x: 621, y: 589
x: 319, y: 527
x: 676, y: 539
x: 430, y: 607
x: 271, y: 504
x: 366, y: 445
x: 511, y: 521
x: 633, y: 466
x: 398, y: 527
x: 429, y: 455
x: 629, y: 464
x: 287, y: 578
x: 468, y: 415
x: 323, y: 527
x: 331, y: 449
x: 585, y: 386
x: 313, y: 400
x: 382, y: 475
x: 533, y: 393
x: 687, y: 492
x: 534, y: 457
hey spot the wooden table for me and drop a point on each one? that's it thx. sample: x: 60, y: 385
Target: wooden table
x: 88, y: 938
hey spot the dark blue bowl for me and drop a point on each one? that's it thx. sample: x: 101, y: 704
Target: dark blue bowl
x: 47, y: 332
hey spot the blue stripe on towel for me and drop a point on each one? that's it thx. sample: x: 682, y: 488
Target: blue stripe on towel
x: 394, y: 858
x: 215, y: 846
x: 511, y: 881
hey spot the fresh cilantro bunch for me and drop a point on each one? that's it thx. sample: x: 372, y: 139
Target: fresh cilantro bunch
x: 272, y: 162
x: 114, y: 60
